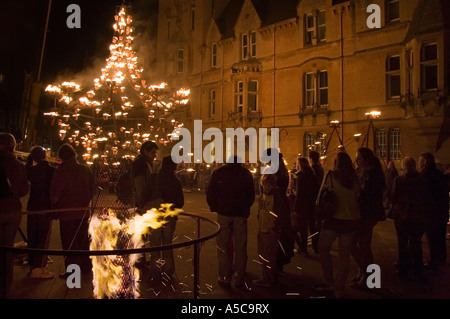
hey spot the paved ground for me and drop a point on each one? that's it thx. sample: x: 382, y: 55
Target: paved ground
x: 296, y: 283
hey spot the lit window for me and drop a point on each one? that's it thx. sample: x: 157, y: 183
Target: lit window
x: 393, y: 77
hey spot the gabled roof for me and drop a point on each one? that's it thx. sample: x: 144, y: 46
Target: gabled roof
x: 428, y: 17
x: 269, y: 11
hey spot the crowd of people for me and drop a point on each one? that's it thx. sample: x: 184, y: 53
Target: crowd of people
x: 417, y: 199
x: 364, y: 195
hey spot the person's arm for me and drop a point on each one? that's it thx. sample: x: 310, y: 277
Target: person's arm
x: 211, y: 192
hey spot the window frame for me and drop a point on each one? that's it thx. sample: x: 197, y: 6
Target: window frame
x: 426, y: 64
x: 252, y: 93
x: 239, y: 96
x: 180, y: 61
x: 389, y: 4
x: 320, y: 88
x: 214, y: 55
x: 212, y: 103
x: 390, y: 75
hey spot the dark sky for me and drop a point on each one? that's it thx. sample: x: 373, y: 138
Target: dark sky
x: 22, y: 24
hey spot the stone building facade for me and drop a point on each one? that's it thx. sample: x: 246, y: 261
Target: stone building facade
x: 314, y: 69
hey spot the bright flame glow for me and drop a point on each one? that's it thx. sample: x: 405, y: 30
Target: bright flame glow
x: 116, y: 277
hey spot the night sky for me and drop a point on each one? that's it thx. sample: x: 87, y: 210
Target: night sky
x: 67, y: 51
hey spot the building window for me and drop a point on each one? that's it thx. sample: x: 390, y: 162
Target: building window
x: 393, y: 77
x: 310, y: 90
x: 315, y: 142
x: 239, y: 96
x: 309, y: 29
x: 429, y: 66
x: 323, y: 88
x: 380, y: 143
x: 214, y: 55
x: 385, y: 146
x: 212, y: 103
x: 394, y: 144
x: 248, y: 45
x: 322, y: 26
x: 410, y: 61
x: 180, y: 61
x: 392, y: 11
x: 252, y: 95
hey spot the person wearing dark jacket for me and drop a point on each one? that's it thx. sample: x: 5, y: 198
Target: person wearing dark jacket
x: 14, y: 187
x: 39, y: 225
x: 231, y: 194
x: 171, y: 192
x: 370, y: 203
x: 434, y: 187
x: 305, y: 204
x: 73, y: 187
x: 407, y: 212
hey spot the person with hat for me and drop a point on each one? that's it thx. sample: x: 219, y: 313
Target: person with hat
x: 39, y: 225
x: 14, y: 186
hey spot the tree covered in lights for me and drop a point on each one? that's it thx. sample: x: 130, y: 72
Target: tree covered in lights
x: 111, y: 119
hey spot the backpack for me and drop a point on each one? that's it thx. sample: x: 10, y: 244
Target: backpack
x: 5, y: 185
x: 124, y: 188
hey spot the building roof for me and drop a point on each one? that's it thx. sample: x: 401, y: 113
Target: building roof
x: 428, y: 17
x: 269, y: 11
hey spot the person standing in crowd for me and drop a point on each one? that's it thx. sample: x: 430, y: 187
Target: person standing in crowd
x: 13, y: 186
x: 171, y: 192
x: 39, y: 225
x: 305, y: 204
x: 73, y: 187
x: 147, y: 195
x: 231, y: 194
x: 370, y: 202
x: 342, y: 225
x: 319, y: 173
x: 145, y: 177
x: 434, y: 187
x: 273, y: 215
x: 390, y: 175
x: 407, y: 212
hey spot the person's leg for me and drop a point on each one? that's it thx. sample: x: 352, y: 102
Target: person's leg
x: 403, y: 247
x: 34, y: 260
x: 326, y: 240
x: 167, y: 235
x: 8, y: 230
x: 224, y: 253
x: 342, y: 266
x: 240, y: 249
